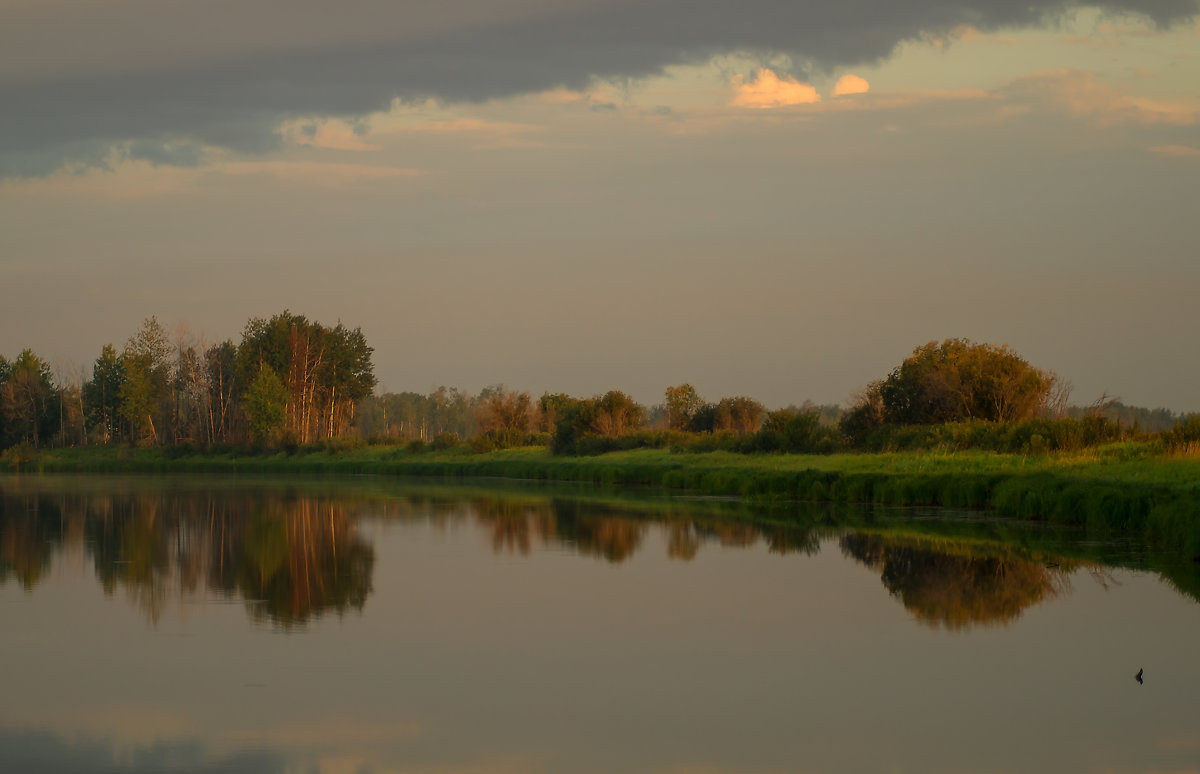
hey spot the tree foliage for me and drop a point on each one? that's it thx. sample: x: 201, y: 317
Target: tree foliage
x: 607, y: 417
x: 615, y: 414
x: 300, y: 382
x: 146, y: 361
x: 682, y: 403
x: 958, y: 380
x: 325, y: 371
x: 501, y: 409
x: 791, y: 430
x: 265, y: 403
x: 28, y: 400
x: 102, y: 394
x: 866, y: 415
x: 739, y: 415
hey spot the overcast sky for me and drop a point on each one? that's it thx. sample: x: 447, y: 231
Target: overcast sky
x: 777, y: 198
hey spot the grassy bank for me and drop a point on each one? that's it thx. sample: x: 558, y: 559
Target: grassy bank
x: 1123, y: 487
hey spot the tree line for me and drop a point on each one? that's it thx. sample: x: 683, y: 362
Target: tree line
x: 288, y: 378
x: 292, y: 382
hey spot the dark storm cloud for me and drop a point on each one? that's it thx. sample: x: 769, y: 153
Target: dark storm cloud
x: 202, y: 80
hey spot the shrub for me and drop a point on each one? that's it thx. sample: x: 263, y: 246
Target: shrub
x: 19, y: 455
x: 342, y: 445
x: 1184, y: 437
x: 178, y: 450
x: 483, y: 443
x: 289, y: 442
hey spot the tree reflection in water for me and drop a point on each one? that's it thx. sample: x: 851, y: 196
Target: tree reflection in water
x: 593, y: 531
x: 954, y: 584
x: 292, y: 559
x: 516, y: 526
x: 293, y: 554
x: 31, y: 528
x: 296, y: 560
x: 613, y: 534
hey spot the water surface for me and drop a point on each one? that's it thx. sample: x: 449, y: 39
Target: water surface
x: 205, y: 625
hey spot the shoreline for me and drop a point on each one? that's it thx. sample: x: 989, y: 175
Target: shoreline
x: 1123, y: 488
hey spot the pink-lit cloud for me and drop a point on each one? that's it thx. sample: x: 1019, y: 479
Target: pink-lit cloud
x: 768, y: 90
x: 1176, y: 151
x: 850, y: 84
x: 1085, y: 95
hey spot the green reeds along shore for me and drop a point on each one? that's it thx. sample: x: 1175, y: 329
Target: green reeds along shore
x: 1126, y: 487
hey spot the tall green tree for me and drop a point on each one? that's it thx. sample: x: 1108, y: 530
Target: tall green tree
x: 268, y: 342
x: 326, y: 371
x: 102, y: 393
x: 220, y: 372
x: 139, y: 400
x: 350, y: 376
x: 27, y: 400
x: 265, y: 404
x: 144, y: 396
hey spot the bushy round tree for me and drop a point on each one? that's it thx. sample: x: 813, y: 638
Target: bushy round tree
x: 957, y: 380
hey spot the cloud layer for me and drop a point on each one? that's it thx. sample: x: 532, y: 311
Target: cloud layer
x: 164, y: 81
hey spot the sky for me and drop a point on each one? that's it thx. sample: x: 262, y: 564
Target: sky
x: 773, y: 198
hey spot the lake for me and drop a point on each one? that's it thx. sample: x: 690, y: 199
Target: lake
x: 364, y: 626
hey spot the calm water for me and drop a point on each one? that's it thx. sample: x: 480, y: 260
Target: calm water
x: 218, y: 625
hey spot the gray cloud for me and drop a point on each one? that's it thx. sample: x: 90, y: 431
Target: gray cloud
x: 45, y: 752
x: 162, y: 79
x: 178, y: 154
